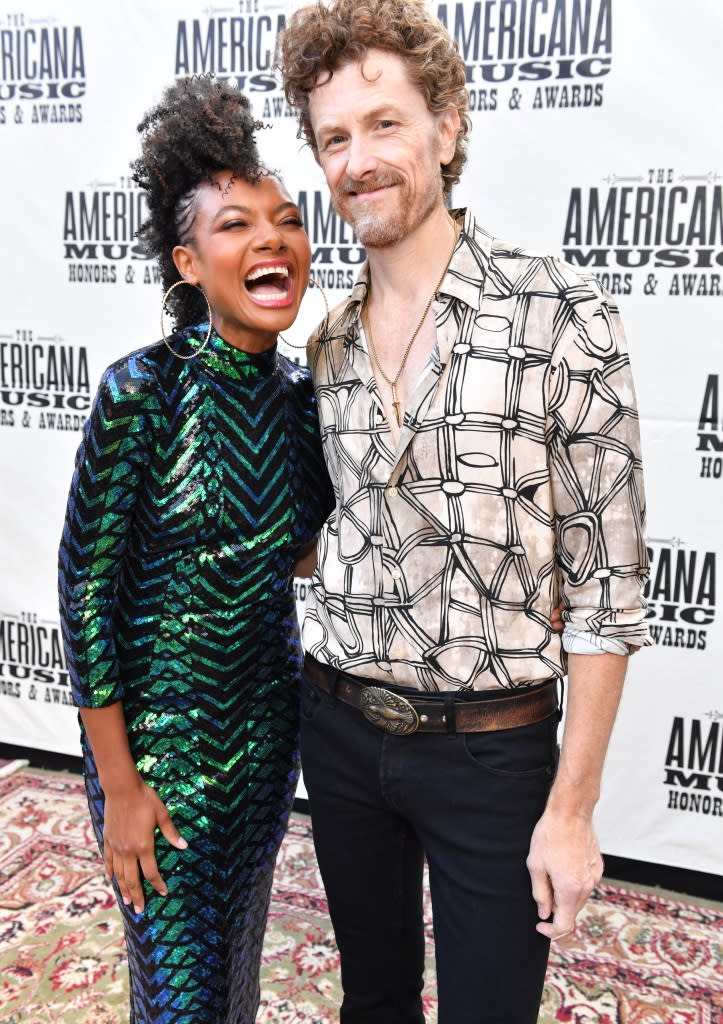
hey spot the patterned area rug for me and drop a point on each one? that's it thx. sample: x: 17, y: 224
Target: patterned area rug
x: 637, y: 958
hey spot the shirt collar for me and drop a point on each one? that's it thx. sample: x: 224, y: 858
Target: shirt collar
x: 465, y: 275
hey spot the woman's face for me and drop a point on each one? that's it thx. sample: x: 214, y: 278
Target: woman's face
x: 250, y: 254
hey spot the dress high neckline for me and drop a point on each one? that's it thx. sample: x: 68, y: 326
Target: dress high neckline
x: 220, y: 357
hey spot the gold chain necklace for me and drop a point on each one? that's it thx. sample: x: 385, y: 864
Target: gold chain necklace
x: 368, y: 328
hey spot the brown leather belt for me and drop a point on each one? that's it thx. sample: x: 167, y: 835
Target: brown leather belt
x: 402, y: 715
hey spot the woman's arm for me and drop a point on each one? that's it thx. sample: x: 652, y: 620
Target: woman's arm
x: 108, y: 479
x: 306, y: 561
x: 133, y: 810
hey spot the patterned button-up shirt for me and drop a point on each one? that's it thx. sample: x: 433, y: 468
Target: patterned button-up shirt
x: 516, y: 482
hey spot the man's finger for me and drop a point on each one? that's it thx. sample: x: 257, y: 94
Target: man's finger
x: 553, y: 930
x: 548, y: 929
x: 562, y: 922
x: 541, y: 891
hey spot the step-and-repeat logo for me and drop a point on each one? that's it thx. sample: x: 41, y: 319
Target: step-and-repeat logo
x: 657, y: 232
x: 241, y: 48
x: 710, y: 429
x: 531, y: 55
x: 100, y: 222
x: 32, y: 663
x: 681, y: 595
x: 42, y: 70
x: 693, y: 771
x: 44, y: 382
x: 336, y: 255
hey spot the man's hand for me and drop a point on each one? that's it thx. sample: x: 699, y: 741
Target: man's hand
x: 564, y: 859
x: 131, y: 818
x: 565, y: 866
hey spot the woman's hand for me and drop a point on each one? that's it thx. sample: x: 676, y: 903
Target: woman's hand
x: 133, y: 810
x: 556, y: 623
x: 132, y: 815
x: 306, y: 561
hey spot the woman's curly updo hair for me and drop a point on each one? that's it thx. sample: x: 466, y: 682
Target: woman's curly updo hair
x: 321, y: 38
x: 200, y: 127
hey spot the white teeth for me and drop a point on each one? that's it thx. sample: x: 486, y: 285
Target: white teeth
x: 282, y: 271
x: 269, y: 297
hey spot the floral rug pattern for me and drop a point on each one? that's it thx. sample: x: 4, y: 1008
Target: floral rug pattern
x: 636, y: 958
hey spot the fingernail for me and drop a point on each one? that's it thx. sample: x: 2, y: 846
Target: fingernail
x: 163, y: 892
x: 182, y: 844
x: 138, y: 910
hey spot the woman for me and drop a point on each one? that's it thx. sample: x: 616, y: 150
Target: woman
x: 198, y: 485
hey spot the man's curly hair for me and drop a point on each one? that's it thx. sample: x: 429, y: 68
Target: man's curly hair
x: 323, y: 37
x: 200, y: 127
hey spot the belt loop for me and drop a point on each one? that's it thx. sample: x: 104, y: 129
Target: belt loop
x: 562, y: 698
x: 334, y: 683
x: 450, y: 718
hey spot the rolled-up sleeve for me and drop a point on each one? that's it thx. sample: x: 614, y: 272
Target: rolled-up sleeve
x: 597, y: 475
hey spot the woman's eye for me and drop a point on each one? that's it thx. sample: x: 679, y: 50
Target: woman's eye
x: 296, y: 222
x: 234, y: 224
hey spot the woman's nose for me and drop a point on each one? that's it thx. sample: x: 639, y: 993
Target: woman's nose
x: 269, y: 236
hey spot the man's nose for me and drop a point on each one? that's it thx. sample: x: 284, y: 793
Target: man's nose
x: 361, y: 160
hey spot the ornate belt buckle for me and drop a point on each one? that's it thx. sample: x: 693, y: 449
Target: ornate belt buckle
x: 388, y: 711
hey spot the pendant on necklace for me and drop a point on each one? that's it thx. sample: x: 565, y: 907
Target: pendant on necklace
x: 397, y: 405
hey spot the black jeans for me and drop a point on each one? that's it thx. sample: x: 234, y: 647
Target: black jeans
x: 379, y: 804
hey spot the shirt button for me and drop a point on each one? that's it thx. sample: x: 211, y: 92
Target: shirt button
x: 392, y: 492
x: 396, y: 574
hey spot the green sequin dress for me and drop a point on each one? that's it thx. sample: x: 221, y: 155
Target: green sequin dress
x: 195, y: 485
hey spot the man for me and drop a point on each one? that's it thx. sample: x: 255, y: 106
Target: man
x: 479, y: 425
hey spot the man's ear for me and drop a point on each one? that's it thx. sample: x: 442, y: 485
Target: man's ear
x: 185, y: 263
x: 449, y: 126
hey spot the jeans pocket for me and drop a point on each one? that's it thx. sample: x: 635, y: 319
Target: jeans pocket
x: 526, y: 752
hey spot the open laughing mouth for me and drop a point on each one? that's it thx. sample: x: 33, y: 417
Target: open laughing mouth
x: 270, y: 285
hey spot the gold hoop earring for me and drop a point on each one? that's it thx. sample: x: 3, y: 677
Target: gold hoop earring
x: 313, y: 283
x: 164, y: 309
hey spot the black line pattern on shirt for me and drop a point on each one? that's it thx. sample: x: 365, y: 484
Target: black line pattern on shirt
x: 518, y: 480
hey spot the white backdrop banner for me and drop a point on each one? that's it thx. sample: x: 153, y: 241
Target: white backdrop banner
x: 595, y: 137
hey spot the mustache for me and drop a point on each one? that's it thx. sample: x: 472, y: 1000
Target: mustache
x: 351, y: 186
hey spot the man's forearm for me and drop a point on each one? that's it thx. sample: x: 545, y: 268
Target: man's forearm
x: 564, y: 861
x: 593, y: 694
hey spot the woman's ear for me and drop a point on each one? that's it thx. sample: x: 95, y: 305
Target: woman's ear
x: 185, y: 263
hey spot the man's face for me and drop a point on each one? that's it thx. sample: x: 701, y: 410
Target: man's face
x: 380, y: 148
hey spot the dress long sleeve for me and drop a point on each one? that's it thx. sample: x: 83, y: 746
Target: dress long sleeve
x: 103, y: 494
